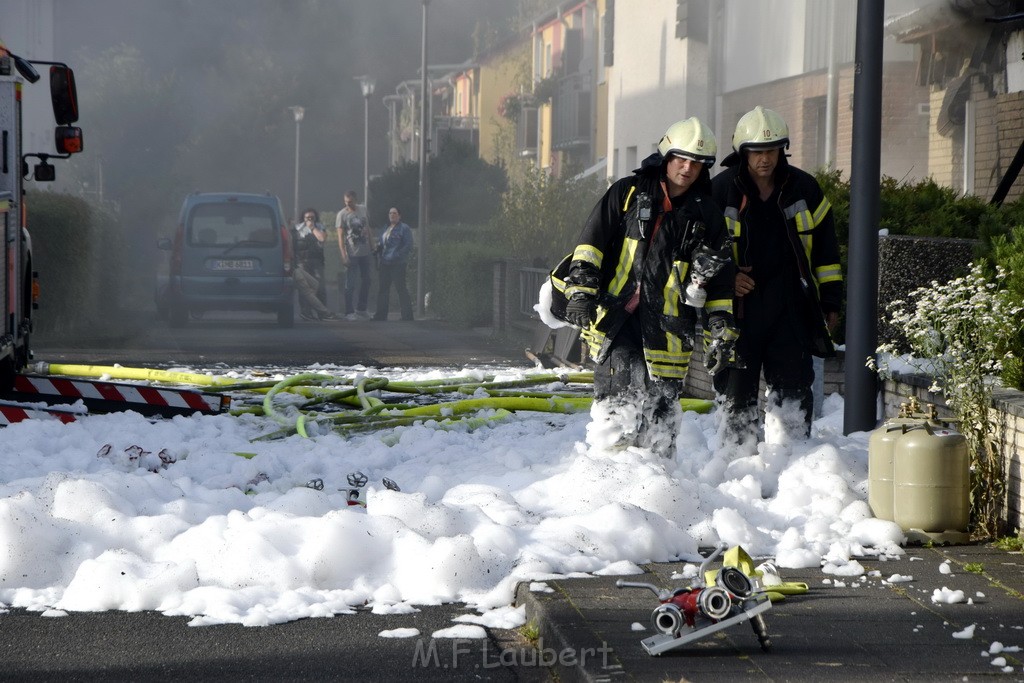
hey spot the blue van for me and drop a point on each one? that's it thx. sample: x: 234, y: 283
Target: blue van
x: 231, y: 251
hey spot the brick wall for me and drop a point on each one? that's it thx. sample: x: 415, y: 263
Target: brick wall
x: 999, y: 134
x: 698, y: 381
x: 944, y: 153
x: 905, y: 129
x: 904, y: 124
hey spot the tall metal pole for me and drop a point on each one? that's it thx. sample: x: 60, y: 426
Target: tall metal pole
x: 298, y: 112
x: 367, y: 83
x: 421, y: 265
x: 298, y: 123
x: 860, y: 413
x: 366, y: 153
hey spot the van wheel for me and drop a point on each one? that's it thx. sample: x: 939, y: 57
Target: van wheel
x: 177, y: 316
x: 286, y: 315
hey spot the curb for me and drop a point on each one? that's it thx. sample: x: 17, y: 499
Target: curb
x: 862, y: 628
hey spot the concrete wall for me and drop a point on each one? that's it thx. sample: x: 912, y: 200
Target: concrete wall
x: 657, y: 79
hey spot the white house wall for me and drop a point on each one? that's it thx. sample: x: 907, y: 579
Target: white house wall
x: 763, y: 41
x: 1015, y: 62
x: 656, y: 80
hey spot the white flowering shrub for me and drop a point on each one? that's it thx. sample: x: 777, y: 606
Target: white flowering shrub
x: 960, y: 333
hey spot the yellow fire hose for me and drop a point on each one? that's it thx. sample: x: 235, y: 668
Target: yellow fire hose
x: 369, y: 412
x: 118, y: 372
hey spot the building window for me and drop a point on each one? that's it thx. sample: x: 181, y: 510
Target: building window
x: 630, y: 159
x: 692, y: 19
x: 526, y: 132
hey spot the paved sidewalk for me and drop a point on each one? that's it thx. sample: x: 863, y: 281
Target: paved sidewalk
x: 843, y: 629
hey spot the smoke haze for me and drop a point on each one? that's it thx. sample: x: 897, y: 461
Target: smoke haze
x: 182, y: 95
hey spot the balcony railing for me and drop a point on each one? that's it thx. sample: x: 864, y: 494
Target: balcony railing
x: 530, y: 280
x: 457, y: 122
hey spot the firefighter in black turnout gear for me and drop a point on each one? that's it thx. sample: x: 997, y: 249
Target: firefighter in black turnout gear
x: 625, y: 286
x: 788, y: 282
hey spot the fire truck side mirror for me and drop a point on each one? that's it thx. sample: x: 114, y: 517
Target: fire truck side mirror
x: 68, y: 140
x: 27, y: 71
x: 63, y: 94
x: 44, y: 172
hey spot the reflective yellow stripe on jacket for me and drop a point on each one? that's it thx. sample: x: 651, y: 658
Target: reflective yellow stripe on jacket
x: 806, y: 221
x: 588, y: 254
x: 734, y: 226
x: 671, y: 363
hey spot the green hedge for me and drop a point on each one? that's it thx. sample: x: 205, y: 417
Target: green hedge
x: 73, y: 250
x: 460, y: 273
x: 926, y: 210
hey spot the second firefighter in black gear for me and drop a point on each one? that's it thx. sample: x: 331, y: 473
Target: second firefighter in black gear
x: 788, y: 284
x: 626, y: 288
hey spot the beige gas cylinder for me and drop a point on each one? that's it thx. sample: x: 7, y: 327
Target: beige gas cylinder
x: 931, y: 481
x: 881, y: 446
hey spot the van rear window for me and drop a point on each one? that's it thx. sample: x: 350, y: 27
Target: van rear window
x: 221, y: 225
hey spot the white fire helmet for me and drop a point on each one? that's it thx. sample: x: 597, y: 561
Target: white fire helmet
x: 760, y: 128
x: 690, y: 139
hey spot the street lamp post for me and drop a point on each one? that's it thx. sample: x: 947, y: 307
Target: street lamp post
x: 424, y: 103
x: 366, y: 83
x: 299, y: 112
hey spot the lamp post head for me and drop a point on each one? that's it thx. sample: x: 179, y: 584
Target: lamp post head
x: 299, y: 112
x: 367, y: 83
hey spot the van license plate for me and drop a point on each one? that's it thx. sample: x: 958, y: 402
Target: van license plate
x: 234, y: 264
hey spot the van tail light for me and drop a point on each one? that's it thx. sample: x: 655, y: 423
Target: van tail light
x: 286, y: 242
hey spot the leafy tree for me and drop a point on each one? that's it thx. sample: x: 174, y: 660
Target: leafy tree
x: 462, y: 188
x: 77, y: 273
x: 541, y: 215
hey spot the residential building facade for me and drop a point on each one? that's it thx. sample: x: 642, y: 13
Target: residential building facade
x: 603, y: 79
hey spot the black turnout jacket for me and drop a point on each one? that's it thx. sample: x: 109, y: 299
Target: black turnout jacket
x: 619, y: 247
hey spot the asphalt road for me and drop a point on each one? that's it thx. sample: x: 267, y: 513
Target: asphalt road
x: 254, y: 339
x: 144, y: 646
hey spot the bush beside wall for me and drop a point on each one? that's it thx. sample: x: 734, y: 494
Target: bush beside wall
x: 907, y: 263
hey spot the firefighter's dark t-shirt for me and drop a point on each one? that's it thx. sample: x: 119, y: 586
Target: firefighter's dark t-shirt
x: 771, y: 255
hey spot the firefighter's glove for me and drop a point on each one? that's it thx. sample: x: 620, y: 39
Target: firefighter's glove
x: 580, y: 310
